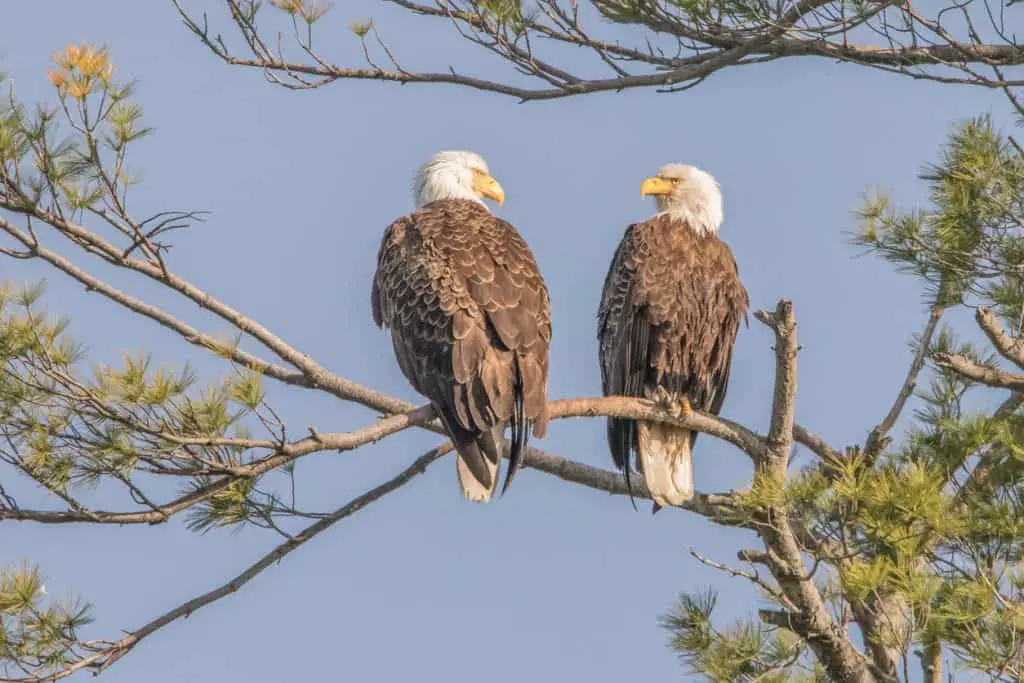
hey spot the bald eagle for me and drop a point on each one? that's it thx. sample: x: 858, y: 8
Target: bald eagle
x: 469, y: 317
x: 669, y: 315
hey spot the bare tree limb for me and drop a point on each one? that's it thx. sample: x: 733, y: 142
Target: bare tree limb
x: 925, y: 50
x: 780, y: 432
x: 877, y: 438
x: 816, y: 444
x: 187, y: 332
x: 751, y: 576
x: 91, y: 242
x: 985, y: 374
x: 1011, y: 348
x: 810, y: 617
x: 882, y: 618
x: 416, y: 417
x: 931, y: 663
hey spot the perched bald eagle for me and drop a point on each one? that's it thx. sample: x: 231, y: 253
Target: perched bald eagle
x: 469, y: 316
x: 670, y: 310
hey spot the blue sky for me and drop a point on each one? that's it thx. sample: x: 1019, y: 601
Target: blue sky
x: 552, y: 582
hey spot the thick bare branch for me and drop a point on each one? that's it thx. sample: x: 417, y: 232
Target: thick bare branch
x: 985, y: 374
x: 780, y: 432
x: 818, y: 446
x: 1011, y: 348
x: 810, y: 617
x: 281, y: 454
x: 882, y: 619
x: 931, y: 663
x: 642, y: 409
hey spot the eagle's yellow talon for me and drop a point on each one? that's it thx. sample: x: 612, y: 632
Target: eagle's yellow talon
x: 684, y: 406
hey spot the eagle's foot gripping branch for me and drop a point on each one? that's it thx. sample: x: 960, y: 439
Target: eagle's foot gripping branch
x: 671, y: 404
x: 684, y: 406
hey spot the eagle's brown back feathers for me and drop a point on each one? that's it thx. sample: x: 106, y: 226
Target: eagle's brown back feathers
x: 470, y: 323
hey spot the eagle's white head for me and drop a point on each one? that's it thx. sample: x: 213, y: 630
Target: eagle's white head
x: 456, y: 175
x: 687, y: 193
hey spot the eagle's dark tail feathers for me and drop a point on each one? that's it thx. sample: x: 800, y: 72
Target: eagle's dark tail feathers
x: 629, y: 484
x: 479, y: 452
x: 477, y: 460
x: 621, y: 443
x: 519, y: 424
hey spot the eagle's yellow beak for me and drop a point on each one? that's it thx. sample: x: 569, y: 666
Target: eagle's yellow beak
x: 487, y: 186
x: 655, y: 186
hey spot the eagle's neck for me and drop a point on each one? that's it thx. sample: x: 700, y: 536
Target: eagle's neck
x: 700, y: 222
x: 461, y: 207
x: 436, y: 195
x: 441, y: 183
x: 700, y: 212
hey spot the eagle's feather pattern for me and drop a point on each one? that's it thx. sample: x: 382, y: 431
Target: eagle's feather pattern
x: 670, y: 311
x: 470, y: 323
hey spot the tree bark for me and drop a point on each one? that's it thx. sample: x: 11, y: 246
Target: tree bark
x: 931, y: 663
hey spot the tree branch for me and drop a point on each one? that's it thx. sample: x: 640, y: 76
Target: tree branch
x: 877, y: 438
x: 1010, y: 348
x: 882, y: 619
x: 931, y: 663
x: 816, y: 444
x: 283, y: 454
x: 780, y: 432
x: 806, y: 29
x: 810, y: 618
x: 135, y: 305
x: 984, y: 374
x: 316, y: 376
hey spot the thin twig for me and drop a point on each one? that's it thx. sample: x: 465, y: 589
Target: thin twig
x: 876, y: 440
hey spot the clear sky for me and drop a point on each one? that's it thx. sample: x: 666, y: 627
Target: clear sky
x: 552, y: 582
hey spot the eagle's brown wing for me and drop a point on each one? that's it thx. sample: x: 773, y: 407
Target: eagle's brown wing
x: 470, y: 320
x: 623, y: 339
x: 669, y: 315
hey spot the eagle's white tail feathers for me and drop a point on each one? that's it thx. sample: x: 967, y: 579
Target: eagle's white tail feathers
x: 666, y: 462
x: 473, y: 489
